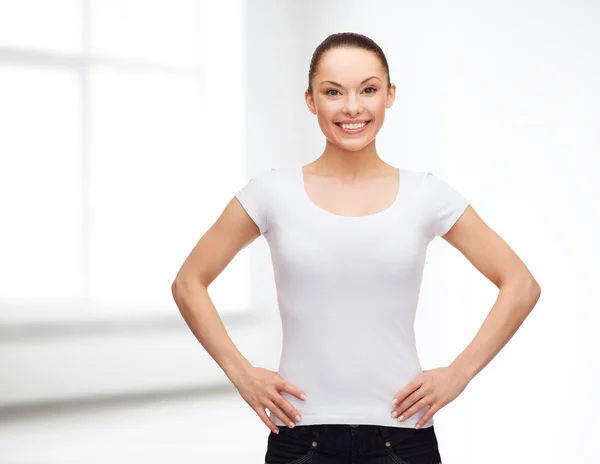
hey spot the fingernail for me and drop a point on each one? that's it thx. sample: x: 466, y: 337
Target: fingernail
x: 303, y: 396
x: 401, y: 418
x: 395, y: 400
x: 276, y: 431
x: 394, y: 413
x: 418, y: 426
x: 298, y: 418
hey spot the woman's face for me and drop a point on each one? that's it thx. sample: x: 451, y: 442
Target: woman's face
x: 360, y: 96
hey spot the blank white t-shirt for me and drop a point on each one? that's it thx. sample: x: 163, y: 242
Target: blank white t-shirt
x: 347, y: 291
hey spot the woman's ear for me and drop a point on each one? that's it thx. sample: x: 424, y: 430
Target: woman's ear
x: 310, y: 102
x: 391, y: 96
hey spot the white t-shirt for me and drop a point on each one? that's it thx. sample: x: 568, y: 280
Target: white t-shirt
x: 347, y: 291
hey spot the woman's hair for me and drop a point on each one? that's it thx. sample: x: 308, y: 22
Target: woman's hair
x: 347, y: 40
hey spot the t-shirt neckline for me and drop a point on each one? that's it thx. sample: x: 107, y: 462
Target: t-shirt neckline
x: 314, y: 206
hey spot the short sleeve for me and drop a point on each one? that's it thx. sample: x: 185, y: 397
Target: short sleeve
x: 254, y: 198
x: 444, y: 205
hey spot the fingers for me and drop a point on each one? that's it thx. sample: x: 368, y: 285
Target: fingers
x: 428, y: 415
x: 407, y: 390
x: 280, y: 414
x: 409, y: 406
x: 413, y: 409
x: 287, y: 407
x: 263, y: 415
x: 279, y: 406
x: 292, y: 390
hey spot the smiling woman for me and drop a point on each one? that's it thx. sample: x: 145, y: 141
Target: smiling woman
x: 351, y: 78
x: 348, y: 236
x: 344, y: 203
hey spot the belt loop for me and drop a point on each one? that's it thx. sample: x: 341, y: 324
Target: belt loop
x: 383, y: 430
x: 316, y: 429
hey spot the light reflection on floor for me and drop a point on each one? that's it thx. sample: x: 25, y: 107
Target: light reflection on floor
x: 220, y: 428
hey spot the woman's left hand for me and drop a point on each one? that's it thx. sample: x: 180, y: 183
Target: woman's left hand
x: 434, y: 388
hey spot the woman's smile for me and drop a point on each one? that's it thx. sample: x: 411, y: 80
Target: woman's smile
x: 359, y: 128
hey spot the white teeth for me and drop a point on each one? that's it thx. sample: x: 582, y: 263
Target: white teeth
x: 353, y: 126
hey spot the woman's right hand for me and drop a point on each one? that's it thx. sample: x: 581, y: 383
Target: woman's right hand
x: 260, y: 388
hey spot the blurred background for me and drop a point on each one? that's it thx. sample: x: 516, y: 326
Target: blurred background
x: 125, y: 128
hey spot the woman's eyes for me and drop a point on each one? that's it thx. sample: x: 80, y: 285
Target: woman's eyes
x: 335, y: 90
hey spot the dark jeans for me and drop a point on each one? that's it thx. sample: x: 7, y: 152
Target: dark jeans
x: 352, y: 444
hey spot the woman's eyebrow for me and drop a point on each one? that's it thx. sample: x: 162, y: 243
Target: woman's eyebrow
x: 340, y: 85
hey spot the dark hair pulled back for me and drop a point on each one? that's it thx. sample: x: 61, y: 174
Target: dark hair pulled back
x: 347, y: 40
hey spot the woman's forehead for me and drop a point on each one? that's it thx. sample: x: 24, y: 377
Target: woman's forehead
x: 351, y: 65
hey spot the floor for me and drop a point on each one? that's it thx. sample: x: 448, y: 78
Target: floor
x: 184, y: 430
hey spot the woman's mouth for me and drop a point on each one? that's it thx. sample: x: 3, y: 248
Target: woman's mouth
x: 353, y: 128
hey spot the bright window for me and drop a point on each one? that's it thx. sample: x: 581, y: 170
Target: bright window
x: 121, y: 141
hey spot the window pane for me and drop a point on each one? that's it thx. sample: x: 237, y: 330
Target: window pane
x: 158, y: 181
x: 165, y: 31
x: 40, y: 184
x: 41, y: 24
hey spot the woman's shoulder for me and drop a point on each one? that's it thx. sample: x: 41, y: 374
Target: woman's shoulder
x: 276, y: 171
x: 272, y: 180
x: 423, y: 177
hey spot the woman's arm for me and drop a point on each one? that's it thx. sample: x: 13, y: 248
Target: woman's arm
x: 519, y: 291
x: 261, y: 388
x: 232, y: 231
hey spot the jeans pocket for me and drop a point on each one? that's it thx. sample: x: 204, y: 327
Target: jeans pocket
x: 291, y: 446
x: 412, y: 446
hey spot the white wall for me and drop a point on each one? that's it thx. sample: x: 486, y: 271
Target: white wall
x: 67, y: 360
